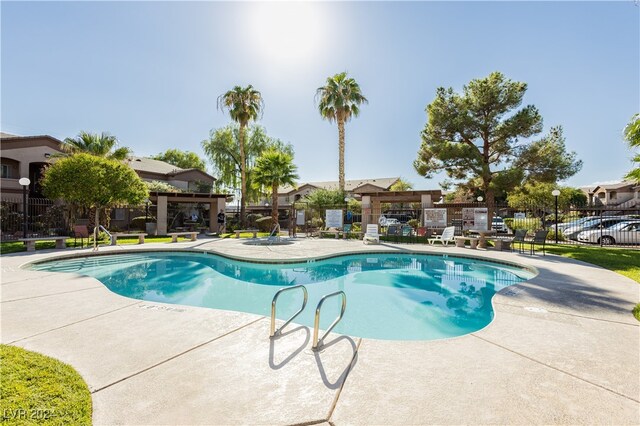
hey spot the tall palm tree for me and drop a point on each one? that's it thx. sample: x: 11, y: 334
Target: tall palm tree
x: 244, y: 104
x: 273, y: 169
x: 100, y: 145
x: 338, y: 101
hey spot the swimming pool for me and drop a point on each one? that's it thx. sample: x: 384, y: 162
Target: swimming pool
x: 393, y: 296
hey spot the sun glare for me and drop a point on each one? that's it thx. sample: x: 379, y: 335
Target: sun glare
x: 287, y: 33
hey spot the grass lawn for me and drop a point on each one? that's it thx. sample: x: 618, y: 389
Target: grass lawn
x: 620, y: 260
x: 37, y: 389
x: 17, y: 246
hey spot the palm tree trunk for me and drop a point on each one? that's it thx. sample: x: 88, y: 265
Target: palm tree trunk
x: 274, y: 204
x: 341, y: 152
x: 243, y: 176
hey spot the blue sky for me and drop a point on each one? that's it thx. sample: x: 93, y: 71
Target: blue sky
x: 150, y: 72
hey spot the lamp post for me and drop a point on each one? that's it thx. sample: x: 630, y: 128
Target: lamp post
x: 25, y: 182
x: 555, y: 193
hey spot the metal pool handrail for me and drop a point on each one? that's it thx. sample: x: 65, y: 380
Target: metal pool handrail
x: 273, y: 331
x: 316, y: 326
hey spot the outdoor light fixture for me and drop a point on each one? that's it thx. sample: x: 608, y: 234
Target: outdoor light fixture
x: 25, y: 182
x: 555, y: 193
x: 480, y: 198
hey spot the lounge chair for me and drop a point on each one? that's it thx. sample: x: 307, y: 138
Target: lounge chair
x: 372, y: 235
x: 445, y: 238
x: 540, y: 237
x: 82, y: 232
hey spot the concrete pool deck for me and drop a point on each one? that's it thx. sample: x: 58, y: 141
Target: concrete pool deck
x: 562, y: 349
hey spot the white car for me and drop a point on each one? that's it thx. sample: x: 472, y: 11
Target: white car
x: 594, y: 224
x: 577, y: 222
x: 620, y: 233
x: 386, y: 221
x: 498, y: 225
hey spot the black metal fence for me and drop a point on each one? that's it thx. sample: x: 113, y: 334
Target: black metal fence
x: 589, y: 225
x: 43, y: 218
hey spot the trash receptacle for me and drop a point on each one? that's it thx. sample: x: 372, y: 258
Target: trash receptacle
x: 151, y: 228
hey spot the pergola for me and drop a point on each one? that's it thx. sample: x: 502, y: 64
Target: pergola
x: 216, y: 202
x: 371, y: 201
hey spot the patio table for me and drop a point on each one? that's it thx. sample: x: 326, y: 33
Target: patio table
x: 482, y: 236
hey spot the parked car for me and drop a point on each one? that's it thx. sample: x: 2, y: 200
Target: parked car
x: 573, y: 223
x: 621, y: 233
x: 386, y: 221
x: 595, y: 223
x: 498, y: 225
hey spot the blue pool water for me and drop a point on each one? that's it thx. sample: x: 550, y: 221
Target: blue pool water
x: 389, y: 296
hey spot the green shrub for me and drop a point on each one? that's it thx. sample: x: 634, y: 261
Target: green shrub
x: 509, y: 222
x: 315, y: 222
x: 264, y: 224
x: 414, y: 223
x: 139, y: 222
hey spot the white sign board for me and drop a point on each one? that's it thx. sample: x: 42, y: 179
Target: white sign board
x: 481, y: 218
x: 468, y: 218
x: 436, y: 218
x: 300, y: 217
x: 475, y: 218
x: 333, y: 219
x: 519, y: 215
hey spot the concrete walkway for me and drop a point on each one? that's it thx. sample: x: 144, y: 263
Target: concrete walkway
x: 563, y: 349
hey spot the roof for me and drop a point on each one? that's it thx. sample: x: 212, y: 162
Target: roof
x: 143, y: 164
x: 7, y: 135
x: 349, y: 185
x: 612, y: 186
x: 149, y: 165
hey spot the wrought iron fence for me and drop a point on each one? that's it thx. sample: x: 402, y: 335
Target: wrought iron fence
x: 587, y: 225
x: 43, y: 218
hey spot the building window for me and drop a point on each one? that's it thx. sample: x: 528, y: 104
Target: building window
x: 6, y: 171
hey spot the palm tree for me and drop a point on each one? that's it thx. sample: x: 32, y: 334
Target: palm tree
x: 273, y: 169
x: 339, y: 100
x: 100, y: 145
x: 244, y: 104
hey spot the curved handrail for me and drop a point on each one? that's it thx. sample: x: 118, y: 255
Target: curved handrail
x: 273, y: 332
x: 316, y: 325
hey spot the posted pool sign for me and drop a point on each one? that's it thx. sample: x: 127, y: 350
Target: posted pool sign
x: 333, y: 219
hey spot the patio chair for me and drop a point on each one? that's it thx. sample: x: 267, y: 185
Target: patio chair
x: 540, y: 237
x: 346, y: 230
x: 393, y: 230
x: 519, y: 238
x: 421, y: 231
x: 372, y: 235
x: 445, y: 238
x: 82, y: 232
x: 407, y: 230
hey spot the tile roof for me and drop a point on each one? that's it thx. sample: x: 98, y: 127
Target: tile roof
x: 143, y: 164
x: 349, y: 185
